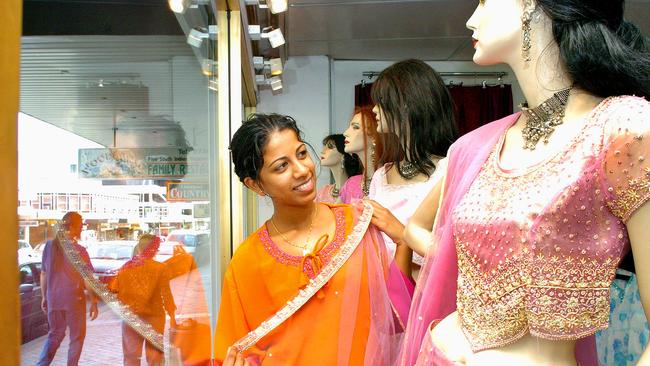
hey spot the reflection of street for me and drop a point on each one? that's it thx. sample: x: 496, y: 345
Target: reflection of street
x: 103, y: 344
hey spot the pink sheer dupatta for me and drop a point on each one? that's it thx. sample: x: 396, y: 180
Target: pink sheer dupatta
x: 435, y: 293
x: 389, y: 296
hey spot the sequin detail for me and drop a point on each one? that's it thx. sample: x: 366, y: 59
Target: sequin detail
x: 338, y: 259
x: 632, y: 197
x: 538, y: 247
x: 293, y: 260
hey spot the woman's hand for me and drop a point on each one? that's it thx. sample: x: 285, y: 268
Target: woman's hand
x: 234, y: 358
x: 386, y: 222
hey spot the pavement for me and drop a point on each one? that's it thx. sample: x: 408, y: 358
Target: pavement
x: 103, y: 343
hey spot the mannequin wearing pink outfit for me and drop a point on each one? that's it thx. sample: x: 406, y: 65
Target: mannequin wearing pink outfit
x: 523, y: 236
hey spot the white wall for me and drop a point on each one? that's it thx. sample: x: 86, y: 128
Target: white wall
x: 306, y: 98
x: 347, y: 74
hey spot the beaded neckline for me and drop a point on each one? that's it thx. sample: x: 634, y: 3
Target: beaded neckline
x: 294, y: 260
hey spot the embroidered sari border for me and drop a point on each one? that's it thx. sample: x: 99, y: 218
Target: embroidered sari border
x: 122, y: 310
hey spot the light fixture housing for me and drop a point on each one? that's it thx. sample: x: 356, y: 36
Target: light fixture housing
x: 275, y: 66
x: 277, y: 6
x: 181, y: 6
x: 274, y: 36
x: 196, y: 35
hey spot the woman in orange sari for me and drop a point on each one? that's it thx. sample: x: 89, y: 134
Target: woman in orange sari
x: 313, y: 285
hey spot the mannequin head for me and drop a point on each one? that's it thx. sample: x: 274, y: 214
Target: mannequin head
x: 361, y: 135
x: 586, y: 38
x: 415, y: 114
x: 497, y: 31
x: 334, y: 155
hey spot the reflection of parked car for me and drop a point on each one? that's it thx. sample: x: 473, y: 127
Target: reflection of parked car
x: 33, y: 320
x: 107, y: 257
x: 189, y: 239
x: 193, y: 241
x: 26, y: 253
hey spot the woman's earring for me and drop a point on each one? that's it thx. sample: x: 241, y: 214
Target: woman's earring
x: 526, y: 18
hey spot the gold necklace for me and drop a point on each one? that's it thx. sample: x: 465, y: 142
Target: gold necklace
x: 311, y: 226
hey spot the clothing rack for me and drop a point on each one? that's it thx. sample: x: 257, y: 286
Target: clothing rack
x: 474, y: 74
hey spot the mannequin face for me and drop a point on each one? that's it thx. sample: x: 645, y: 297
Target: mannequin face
x: 288, y: 174
x: 354, y: 135
x: 382, y: 123
x: 497, y: 31
x: 329, y: 156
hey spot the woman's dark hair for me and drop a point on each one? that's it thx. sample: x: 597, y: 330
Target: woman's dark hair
x: 248, y: 143
x: 419, y: 110
x: 603, y: 53
x: 351, y: 162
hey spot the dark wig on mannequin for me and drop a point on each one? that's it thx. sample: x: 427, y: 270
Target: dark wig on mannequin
x: 351, y: 162
x: 603, y: 53
x: 418, y: 110
x: 248, y: 143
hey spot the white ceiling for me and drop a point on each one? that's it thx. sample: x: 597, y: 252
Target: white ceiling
x: 394, y: 29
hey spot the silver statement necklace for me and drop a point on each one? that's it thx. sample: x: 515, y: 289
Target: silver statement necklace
x: 407, y: 169
x: 542, y: 120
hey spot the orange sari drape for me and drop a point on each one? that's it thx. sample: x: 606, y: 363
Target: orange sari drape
x: 261, y: 279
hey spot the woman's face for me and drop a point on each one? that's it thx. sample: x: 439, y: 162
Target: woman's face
x: 497, y: 31
x: 288, y: 174
x: 330, y: 156
x: 382, y: 123
x: 354, y: 135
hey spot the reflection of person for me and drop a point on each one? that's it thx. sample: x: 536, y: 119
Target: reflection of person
x: 342, y: 165
x: 415, y: 118
x: 361, y: 139
x: 322, y: 264
x: 64, y: 299
x: 538, y: 208
x: 143, y: 285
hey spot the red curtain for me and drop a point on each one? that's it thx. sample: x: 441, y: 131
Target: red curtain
x: 475, y: 106
x: 362, y: 95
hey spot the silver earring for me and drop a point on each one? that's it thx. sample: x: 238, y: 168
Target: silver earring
x: 526, y: 18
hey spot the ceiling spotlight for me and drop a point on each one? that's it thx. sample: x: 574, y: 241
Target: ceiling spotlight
x: 181, y: 6
x: 272, y: 66
x: 276, y: 83
x: 274, y: 35
x: 275, y: 65
x: 277, y: 6
x: 208, y: 67
x: 197, y: 35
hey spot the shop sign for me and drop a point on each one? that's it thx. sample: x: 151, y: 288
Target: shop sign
x: 136, y: 163
x: 187, y: 191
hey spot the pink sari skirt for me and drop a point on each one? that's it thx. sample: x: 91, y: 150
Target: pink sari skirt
x: 430, y: 355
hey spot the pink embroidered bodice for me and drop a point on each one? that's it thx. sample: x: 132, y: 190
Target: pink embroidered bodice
x: 538, y: 248
x: 402, y: 199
